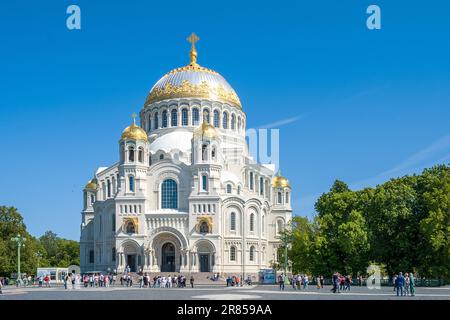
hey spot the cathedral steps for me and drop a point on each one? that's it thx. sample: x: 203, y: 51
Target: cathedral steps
x: 200, y: 278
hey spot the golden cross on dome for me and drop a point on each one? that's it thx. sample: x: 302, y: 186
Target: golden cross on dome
x: 193, y: 39
x: 134, y: 118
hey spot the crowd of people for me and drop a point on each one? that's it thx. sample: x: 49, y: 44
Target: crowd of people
x: 236, y: 281
x: 405, y: 285
x: 166, y: 281
x: 341, y: 283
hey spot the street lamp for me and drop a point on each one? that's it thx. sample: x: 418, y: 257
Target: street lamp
x: 38, y: 256
x: 20, y: 243
x: 285, y: 237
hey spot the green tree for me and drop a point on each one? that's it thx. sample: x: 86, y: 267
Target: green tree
x: 60, y: 252
x: 342, y: 242
x: 11, y: 224
x: 301, y: 252
x: 434, y: 207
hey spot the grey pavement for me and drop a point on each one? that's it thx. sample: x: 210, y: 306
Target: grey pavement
x: 215, y: 292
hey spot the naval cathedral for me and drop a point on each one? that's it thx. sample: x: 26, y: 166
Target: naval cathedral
x: 185, y: 195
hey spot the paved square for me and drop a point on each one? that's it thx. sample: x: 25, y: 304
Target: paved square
x: 217, y: 292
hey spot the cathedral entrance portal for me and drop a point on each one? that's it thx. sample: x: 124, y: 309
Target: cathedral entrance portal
x: 131, y: 262
x: 168, y: 257
x: 204, y: 262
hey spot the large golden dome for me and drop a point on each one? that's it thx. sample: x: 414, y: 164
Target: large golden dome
x: 134, y: 132
x: 193, y: 81
x: 279, y: 181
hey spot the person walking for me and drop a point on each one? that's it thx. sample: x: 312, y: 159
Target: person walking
x: 281, y: 281
x: 400, y: 284
x: 305, y: 282
x: 407, y: 284
x: 335, y: 282
x: 192, y: 281
x: 412, y: 284
x: 66, y: 278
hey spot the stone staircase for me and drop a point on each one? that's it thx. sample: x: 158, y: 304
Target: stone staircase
x: 200, y: 278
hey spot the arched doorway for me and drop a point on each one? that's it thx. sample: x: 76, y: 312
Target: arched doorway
x: 206, y: 255
x: 168, y: 257
x: 132, y: 256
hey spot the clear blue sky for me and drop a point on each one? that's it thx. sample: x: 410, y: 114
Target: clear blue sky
x: 357, y: 105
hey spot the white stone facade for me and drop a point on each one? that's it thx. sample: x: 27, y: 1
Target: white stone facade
x: 222, y: 214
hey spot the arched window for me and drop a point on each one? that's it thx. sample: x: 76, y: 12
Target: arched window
x: 251, y: 181
x: 92, y: 198
x: 213, y: 153
x: 204, y: 227
x: 130, y: 227
x: 164, y: 119
x: 206, y: 115
x: 109, y: 188
x: 280, y: 226
x: 252, y: 222
x: 233, y: 122
x: 239, y: 124
x: 239, y: 190
x: 149, y: 123
x: 279, y: 198
x: 233, y: 221
x: 233, y: 253
x: 263, y: 221
x: 122, y: 153
x: 287, y: 197
x: 228, y: 188
x: 156, y: 123
x: 252, y: 253
x: 216, y: 118
x: 141, y: 155
x: 204, y: 152
x: 225, y: 120
x: 169, y: 194
x: 195, y: 118
x: 161, y: 157
x: 204, y: 182
x: 261, y: 185
x: 131, y: 183
x: 131, y: 154
x: 184, y: 117
x: 174, y: 118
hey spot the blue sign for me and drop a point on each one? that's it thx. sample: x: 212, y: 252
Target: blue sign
x: 267, y: 276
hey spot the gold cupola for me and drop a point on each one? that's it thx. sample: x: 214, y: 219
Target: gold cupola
x: 193, y: 81
x: 134, y: 132
x: 205, y: 131
x: 279, y: 181
x: 91, y: 185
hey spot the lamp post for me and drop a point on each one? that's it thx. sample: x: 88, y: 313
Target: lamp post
x: 38, y: 256
x: 285, y: 237
x: 20, y: 242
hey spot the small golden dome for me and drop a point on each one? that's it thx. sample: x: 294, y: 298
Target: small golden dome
x: 91, y: 185
x: 279, y: 181
x: 134, y: 132
x: 205, y: 132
